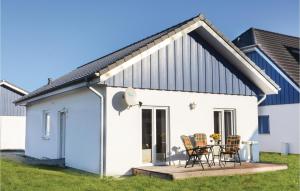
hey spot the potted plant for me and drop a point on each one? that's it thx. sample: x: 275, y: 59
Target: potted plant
x: 216, y: 138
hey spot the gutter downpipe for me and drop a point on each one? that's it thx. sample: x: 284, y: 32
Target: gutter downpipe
x: 262, y: 99
x: 101, y: 129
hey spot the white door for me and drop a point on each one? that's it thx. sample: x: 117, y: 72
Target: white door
x: 224, y: 123
x: 62, y: 128
x: 155, y: 135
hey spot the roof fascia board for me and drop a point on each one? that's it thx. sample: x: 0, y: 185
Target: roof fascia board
x: 149, y: 51
x: 14, y: 87
x: 263, y: 55
x: 59, y: 91
x: 260, y: 80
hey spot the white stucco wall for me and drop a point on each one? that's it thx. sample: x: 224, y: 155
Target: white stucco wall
x: 124, y: 132
x: 284, y: 122
x: 12, y: 132
x: 82, y: 129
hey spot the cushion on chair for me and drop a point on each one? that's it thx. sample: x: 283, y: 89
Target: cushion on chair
x: 232, y: 144
x: 187, y: 144
x: 200, y: 140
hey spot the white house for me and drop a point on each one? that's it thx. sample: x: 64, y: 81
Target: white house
x: 188, y: 78
x: 279, y: 115
x: 12, y: 117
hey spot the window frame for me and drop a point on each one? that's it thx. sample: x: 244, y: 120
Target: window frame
x: 260, y: 129
x: 46, y: 125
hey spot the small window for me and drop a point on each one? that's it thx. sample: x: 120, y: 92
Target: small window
x: 295, y: 52
x: 46, y: 124
x: 263, y: 124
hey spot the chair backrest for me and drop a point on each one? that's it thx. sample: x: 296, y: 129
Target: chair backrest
x: 200, y: 139
x: 232, y: 143
x: 187, y: 143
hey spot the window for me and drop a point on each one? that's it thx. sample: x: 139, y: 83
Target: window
x: 224, y: 123
x: 294, y: 52
x: 263, y: 124
x: 46, y: 124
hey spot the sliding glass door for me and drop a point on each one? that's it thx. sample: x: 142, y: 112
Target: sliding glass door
x: 224, y: 123
x: 154, y: 135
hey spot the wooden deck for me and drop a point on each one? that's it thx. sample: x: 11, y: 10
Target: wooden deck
x: 179, y: 172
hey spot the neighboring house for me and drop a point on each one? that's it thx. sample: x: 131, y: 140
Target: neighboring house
x: 188, y: 78
x: 278, y: 55
x: 12, y: 117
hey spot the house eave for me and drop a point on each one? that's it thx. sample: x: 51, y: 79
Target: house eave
x: 59, y: 90
x: 19, y: 90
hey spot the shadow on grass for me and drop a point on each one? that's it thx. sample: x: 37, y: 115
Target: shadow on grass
x: 55, y: 168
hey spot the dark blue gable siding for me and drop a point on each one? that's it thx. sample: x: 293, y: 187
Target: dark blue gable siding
x: 187, y: 64
x: 287, y: 95
x: 7, y: 107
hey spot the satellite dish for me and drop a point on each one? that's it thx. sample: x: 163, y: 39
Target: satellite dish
x: 130, y: 96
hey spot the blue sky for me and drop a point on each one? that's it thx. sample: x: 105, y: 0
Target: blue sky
x: 48, y: 38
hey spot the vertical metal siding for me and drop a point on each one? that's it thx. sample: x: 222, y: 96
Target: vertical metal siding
x: 235, y: 85
x: 201, y: 66
x: 137, y: 75
x: 163, y: 69
x: 216, y: 76
x: 208, y: 72
x: 128, y: 77
x: 154, y: 71
x: 187, y: 64
x: 229, y: 82
x: 146, y: 71
x: 7, y: 107
x: 287, y: 94
x: 178, y: 64
x: 171, y: 66
x: 118, y: 78
x: 194, y: 65
x: 222, y: 70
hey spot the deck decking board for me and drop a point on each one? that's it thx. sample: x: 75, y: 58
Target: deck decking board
x: 179, y: 172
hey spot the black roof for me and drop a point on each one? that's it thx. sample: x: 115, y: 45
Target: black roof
x: 89, y: 69
x: 282, y: 49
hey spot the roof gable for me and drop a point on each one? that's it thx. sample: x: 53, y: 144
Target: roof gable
x: 188, y: 63
x: 279, y: 48
x: 289, y: 92
x: 113, y: 63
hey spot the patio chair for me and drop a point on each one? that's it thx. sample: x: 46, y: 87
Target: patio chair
x: 193, y: 153
x: 200, y: 140
x: 231, y: 148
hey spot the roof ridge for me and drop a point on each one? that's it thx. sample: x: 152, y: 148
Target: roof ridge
x: 277, y: 33
x: 150, y: 36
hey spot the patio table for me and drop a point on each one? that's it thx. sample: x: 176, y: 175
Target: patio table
x: 212, y: 147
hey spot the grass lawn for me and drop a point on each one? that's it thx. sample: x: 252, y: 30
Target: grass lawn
x: 16, y: 176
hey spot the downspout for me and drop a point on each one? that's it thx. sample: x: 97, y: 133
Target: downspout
x: 262, y: 99
x: 101, y: 129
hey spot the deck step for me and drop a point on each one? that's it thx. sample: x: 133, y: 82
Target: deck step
x: 138, y: 171
x: 177, y: 172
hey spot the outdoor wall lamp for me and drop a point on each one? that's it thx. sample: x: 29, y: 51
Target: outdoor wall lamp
x: 193, y: 105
